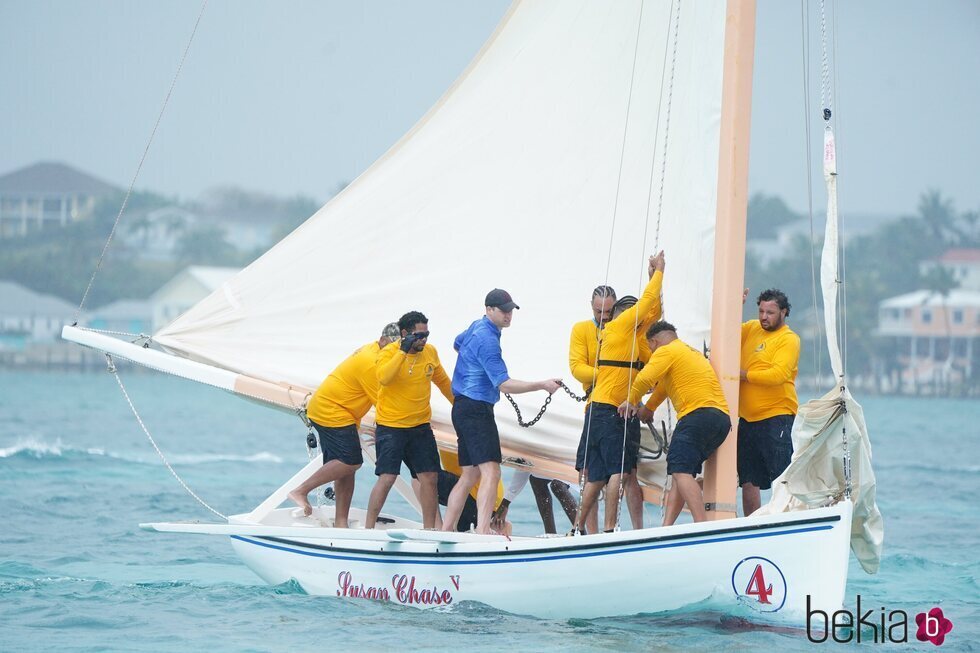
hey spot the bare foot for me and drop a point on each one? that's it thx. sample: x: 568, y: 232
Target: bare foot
x: 340, y: 523
x: 301, y: 500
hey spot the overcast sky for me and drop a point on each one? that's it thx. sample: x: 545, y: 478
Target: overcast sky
x: 300, y: 97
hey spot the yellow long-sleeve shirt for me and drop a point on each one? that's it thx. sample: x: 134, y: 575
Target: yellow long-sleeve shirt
x: 683, y: 374
x: 583, y: 346
x: 623, y: 339
x: 770, y: 360
x: 348, y: 392
x: 406, y: 385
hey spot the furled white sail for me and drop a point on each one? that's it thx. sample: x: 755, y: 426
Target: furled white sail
x: 533, y: 174
x: 816, y: 476
x: 829, y: 258
x: 831, y: 448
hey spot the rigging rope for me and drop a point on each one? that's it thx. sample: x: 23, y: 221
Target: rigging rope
x: 612, y: 232
x: 675, y: 16
x: 826, y: 99
x: 829, y: 88
x: 819, y: 335
x: 139, y: 167
x: 827, y: 91
x: 134, y: 338
x: 112, y: 370
x: 663, y: 158
x: 843, y: 240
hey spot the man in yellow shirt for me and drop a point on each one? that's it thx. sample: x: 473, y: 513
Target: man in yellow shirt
x: 583, y: 350
x: 605, y: 433
x: 682, y: 374
x: 406, y: 372
x: 767, y: 401
x: 583, y: 345
x: 335, y: 411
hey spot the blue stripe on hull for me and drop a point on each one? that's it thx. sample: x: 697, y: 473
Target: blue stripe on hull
x: 515, y: 557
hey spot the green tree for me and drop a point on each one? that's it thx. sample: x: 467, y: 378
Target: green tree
x: 60, y: 261
x: 766, y: 213
x: 206, y: 245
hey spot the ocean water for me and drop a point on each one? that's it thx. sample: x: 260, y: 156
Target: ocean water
x: 77, y: 574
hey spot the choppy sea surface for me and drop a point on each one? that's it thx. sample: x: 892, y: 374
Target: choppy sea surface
x: 77, y: 574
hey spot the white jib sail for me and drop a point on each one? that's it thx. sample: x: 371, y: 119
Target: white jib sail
x: 527, y: 176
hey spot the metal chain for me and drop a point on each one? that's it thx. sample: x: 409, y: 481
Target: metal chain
x: 544, y: 407
x: 112, y: 370
x: 663, y: 160
x: 826, y: 97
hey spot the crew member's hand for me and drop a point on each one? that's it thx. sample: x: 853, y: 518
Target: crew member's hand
x: 551, y: 385
x: 499, y: 516
x: 644, y: 413
x: 656, y: 263
x: 407, y: 342
x: 626, y: 410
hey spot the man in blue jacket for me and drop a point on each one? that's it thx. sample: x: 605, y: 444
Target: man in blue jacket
x: 478, y: 380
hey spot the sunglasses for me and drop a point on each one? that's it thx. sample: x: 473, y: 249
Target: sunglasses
x: 420, y: 335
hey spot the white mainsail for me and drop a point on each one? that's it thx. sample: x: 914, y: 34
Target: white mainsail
x: 533, y: 173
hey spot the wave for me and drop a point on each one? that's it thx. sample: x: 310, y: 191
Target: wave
x: 45, y: 450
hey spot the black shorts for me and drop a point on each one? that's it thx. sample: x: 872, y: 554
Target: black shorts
x: 764, y: 449
x: 476, y: 431
x: 415, y: 445
x: 604, y: 455
x: 695, y: 438
x: 339, y: 443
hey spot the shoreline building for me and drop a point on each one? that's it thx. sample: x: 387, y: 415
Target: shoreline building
x: 930, y: 343
x: 188, y: 287
x: 45, y: 195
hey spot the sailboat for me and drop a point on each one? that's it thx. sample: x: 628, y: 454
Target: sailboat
x: 583, y: 136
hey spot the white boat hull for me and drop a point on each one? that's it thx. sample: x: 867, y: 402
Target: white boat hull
x: 770, y: 563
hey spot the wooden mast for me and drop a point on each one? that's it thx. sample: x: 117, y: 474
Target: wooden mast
x: 729, y: 272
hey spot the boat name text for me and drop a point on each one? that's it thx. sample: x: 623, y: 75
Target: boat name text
x: 405, y: 589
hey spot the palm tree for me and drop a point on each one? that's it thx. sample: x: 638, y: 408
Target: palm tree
x: 939, y: 280
x: 940, y: 217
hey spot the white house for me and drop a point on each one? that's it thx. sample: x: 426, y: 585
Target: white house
x: 27, y: 317
x: 933, y: 339
x: 190, y: 286
x: 124, y: 316
x: 44, y: 195
x: 963, y: 264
